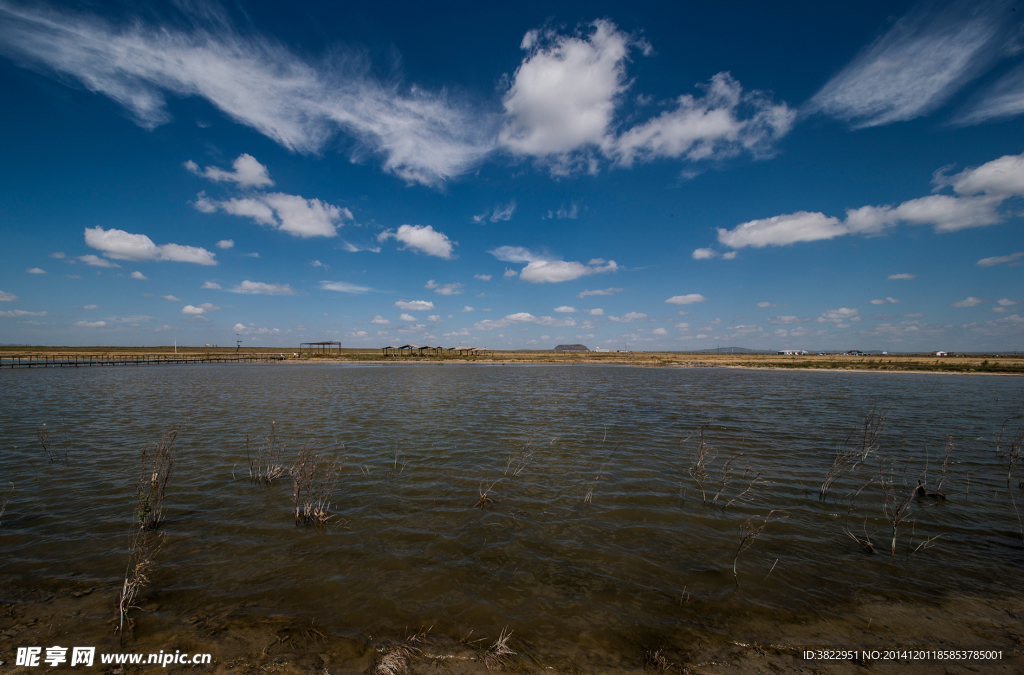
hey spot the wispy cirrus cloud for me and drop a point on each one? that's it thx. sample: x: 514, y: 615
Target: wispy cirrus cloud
x: 924, y: 59
x: 344, y: 287
x: 1001, y: 259
x: 297, y: 101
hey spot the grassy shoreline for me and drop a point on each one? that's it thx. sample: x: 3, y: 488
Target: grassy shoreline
x: 979, y: 364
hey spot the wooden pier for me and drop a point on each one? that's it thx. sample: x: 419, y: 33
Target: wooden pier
x: 74, y: 361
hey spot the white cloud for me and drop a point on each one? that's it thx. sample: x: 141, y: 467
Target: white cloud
x: 253, y: 330
x: 704, y: 253
x: 96, y: 261
x: 296, y: 215
x: 18, y: 313
x: 259, y: 288
x: 91, y: 307
x: 415, y: 305
x: 435, y: 318
x: 782, y: 230
x: 247, y: 173
x: 59, y: 255
x: 517, y: 254
x: 7, y: 297
x: 1006, y: 302
x: 520, y: 318
x: 406, y: 317
x: 925, y: 58
x: 170, y: 298
x: 444, y: 289
x: 1000, y: 259
x: 628, y: 318
x: 901, y: 276
x: 204, y: 308
x: 969, y: 302
x: 35, y: 270
x: 89, y: 324
x: 421, y: 238
x: 344, y: 287
x: 226, y: 243
x: 467, y: 308
x: 299, y: 102
x: 509, y: 273
x: 786, y: 320
x: 380, y: 321
x: 572, y: 213
x: 686, y: 299
x: 763, y: 305
x: 482, y: 277
x: 500, y: 213
x: 211, y: 285
x: 882, y: 302
x: 555, y: 271
x: 121, y: 245
x: 659, y: 331
x: 562, y: 101
x: 841, y: 317
x: 597, y: 311
x: 709, y: 127
x: 138, y: 275
x: 606, y: 291
x: 565, y: 309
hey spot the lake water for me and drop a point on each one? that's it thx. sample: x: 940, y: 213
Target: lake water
x: 597, y: 538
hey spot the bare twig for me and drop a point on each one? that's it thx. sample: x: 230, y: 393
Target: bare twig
x: 750, y: 533
x: 157, y: 461
x: 705, y: 453
x: 142, y: 550
x: 855, y: 449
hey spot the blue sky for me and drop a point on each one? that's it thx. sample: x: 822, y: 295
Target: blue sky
x: 802, y: 175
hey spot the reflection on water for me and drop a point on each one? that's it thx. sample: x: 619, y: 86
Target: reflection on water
x: 597, y: 533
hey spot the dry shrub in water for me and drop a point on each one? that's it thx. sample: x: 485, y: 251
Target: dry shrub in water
x: 855, y: 449
x: 143, y: 548
x: 894, y: 506
x: 314, y: 480
x: 1012, y: 449
x: 47, y: 437
x: 750, y: 532
x: 7, y: 499
x: 157, y: 467
x: 705, y: 455
x: 265, y: 460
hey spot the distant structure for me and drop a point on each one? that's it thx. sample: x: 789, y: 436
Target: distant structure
x: 571, y: 348
x: 793, y: 352
x: 321, y: 348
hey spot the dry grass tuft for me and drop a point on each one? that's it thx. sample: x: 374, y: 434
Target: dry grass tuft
x: 265, y: 461
x: 484, y: 500
x: 314, y: 480
x: 394, y: 659
x: 499, y: 652
x: 157, y: 466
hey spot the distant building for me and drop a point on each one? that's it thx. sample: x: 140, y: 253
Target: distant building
x: 940, y: 353
x: 793, y: 352
x: 571, y: 348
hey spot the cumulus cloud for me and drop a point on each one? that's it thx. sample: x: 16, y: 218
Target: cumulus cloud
x: 423, y: 238
x: 344, y: 287
x: 606, y: 291
x: 211, y: 285
x: 629, y: 317
x: 444, y: 289
x: 762, y: 305
x: 969, y: 302
x: 301, y: 103
x: 296, y: 215
x: 903, y: 276
x: 520, y: 318
x: 786, y: 320
x: 561, y: 107
x: 18, y: 313
x: 59, y: 255
x: 35, y: 270
x: 96, y: 261
x: 226, y: 243
x: 170, y: 298
x: 380, y: 321
x: 253, y: 330
x: 482, y: 277
x: 138, y: 275
x: 121, y: 245
x: 597, y: 311
x: 841, y: 317
x: 89, y: 324
x: 686, y: 299
x: 204, y: 308
x: 1000, y: 259
x: 259, y: 288
x: 542, y: 268
x: 979, y: 193
x: 247, y: 173
x: 704, y: 253
x: 406, y: 317
x: 415, y: 305
x: 7, y: 297
x: 565, y: 309
x: 659, y: 331
x: 923, y: 60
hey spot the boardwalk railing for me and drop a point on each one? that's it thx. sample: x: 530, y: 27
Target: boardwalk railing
x: 74, y: 361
